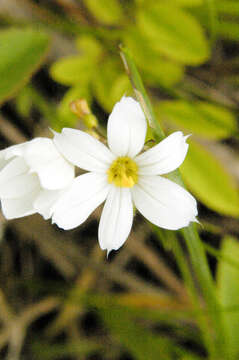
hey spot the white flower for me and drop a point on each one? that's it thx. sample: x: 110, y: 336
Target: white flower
x: 32, y: 177
x: 123, y: 177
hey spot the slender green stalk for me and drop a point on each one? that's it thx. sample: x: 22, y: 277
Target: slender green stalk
x: 201, y: 268
x: 217, y: 254
x: 215, y: 330
x: 198, y: 310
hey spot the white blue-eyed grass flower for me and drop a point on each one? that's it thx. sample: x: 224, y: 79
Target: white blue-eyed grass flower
x: 123, y: 177
x: 32, y: 177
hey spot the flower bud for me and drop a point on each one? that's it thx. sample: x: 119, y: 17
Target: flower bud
x: 80, y: 108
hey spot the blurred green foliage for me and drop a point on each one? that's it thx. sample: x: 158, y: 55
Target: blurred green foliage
x: 199, y: 118
x: 228, y: 291
x: 177, y: 46
x: 21, y: 54
x: 210, y: 182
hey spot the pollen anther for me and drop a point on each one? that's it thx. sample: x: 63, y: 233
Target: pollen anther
x: 123, y: 172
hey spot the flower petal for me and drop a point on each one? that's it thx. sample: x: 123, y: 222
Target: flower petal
x: 164, y: 203
x: 45, y: 201
x: 83, y: 150
x: 167, y: 156
x: 87, y: 192
x: 15, y: 181
x: 42, y: 157
x: 13, y: 168
x: 19, y: 186
x: 126, y: 128
x: 116, y: 219
x: 16, y: 208
x: 14, y: 150
x: 3, y: 161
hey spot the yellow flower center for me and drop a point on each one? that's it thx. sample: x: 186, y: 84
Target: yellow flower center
x: 123, y: 172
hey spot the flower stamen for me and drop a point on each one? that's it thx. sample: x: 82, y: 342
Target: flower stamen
x: 123, y: 172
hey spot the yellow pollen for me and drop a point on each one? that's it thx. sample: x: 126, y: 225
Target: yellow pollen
x: 123, y: 172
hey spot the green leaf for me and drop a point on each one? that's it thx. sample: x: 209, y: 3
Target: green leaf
x: 173, y: 32
x: 184, y: 3
x: 163, y: 72
x: 187, y: 3
x: 66, y: 117
x: 200, y: 118
x: 105, y: 11
x: 110, y: 84
x: 88, y: 46
x: 73, y: 70
x: 22, y: 52
x: 156, y: 69
x: 121, y: 86
x: 229, y: 7
x: 228, y: 290
x: 191, y: 357
x: 46, y: 351
x: 209, y: 181
x: 211, y: 10
x: 139, y: 341
x: 229, y: 30
x: 24, y: 101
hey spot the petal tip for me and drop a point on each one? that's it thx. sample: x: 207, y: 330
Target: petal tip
x: 53, y: 131
x: 198, y: 222
x: 187, y: 136
x: 108, y: 252
x: 46, y: 217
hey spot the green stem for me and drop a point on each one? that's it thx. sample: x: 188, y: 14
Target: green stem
x: 215, y: 329
x: 217, y: 254
x: 201, y: 268
x: 198, y: 309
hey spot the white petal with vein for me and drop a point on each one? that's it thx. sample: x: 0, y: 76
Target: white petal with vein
x: 126, y: 129
x: 42, y: 156
x: 45, y: 201
x: 15, y: 181
x: 14, y: 167
x: 19, y: 186
x: 116, y: 219
x: 87, y: 192
x: 3, y: 161
x: 14, y: 150
x: 164, y: 203
x: 83, y: 150
x: 167, y: 156
x: 16, y: 208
